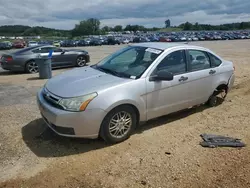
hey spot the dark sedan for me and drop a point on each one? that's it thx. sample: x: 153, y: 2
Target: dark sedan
x: 5, y: 46
x: 24, y: 60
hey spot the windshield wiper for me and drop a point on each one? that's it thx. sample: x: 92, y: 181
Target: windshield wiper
x: 115, y: 73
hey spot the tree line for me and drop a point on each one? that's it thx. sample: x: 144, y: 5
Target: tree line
x: 225, y: 27
x: 92, y: 26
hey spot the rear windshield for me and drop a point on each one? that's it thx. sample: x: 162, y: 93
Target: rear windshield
x: 25, y: 50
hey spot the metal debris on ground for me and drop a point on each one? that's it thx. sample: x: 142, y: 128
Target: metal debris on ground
x: 212, y: 141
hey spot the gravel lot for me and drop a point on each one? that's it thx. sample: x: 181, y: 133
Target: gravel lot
x: 163, y: 153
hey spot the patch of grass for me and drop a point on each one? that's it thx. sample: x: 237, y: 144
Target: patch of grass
x: 170, y: 29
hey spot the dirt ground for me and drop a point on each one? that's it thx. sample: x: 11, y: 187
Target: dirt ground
x: 163, y: 153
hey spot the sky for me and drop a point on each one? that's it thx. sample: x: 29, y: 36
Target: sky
x: 64, y: 14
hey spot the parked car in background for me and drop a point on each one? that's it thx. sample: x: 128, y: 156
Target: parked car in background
x: 32, y: 43
x: 18, y: 44
x: 125, y: 41
x: 112, y: 41
x: 95, y: 42
x: 6, y: 45
x: 68, y: 43
x: 145, y: 80
x: 57, y: 43
x: 82, y: 43
x: 24, y: 60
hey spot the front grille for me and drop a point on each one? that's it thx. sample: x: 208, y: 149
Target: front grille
x: 51, y: 99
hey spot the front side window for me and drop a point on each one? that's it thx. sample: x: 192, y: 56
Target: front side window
x: 42, y: 50
x: 129, y: 62
x: 56, y: 49
x: 199, y: 60
x: 175, y: 63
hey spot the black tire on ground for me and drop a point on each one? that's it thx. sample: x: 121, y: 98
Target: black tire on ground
x: 112, y: 126
x: 212, y: 101
x: 80, y: 61
x: 31, y: 67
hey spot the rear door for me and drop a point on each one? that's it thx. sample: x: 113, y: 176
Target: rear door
x: 44, y: 52
x: 201, y: 75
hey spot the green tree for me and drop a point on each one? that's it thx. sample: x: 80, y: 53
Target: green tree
x: 187, y: 26
x: 87, y: 27
x: 106, y: 29
x: 167, y: 23
x: 117, y: 28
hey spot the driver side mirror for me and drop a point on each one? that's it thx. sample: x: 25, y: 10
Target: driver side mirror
x: 162, y: 76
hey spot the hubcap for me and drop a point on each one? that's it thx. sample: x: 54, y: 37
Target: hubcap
x: 32, y: 67
x: 120, y: 124
x: 80, y: 61
x: 214, y: 101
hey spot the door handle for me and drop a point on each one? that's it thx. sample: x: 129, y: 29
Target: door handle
x: 212, y: 71
x: 183, y: 78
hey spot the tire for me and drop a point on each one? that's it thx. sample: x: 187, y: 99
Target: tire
x: 31, y: 67
x: 212, y: 101
x: 113, y: 131
x: 80, y: 61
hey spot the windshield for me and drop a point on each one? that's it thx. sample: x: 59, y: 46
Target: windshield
x: 130, y: 62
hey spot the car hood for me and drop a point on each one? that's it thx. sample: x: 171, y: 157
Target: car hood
x: 82, y: 81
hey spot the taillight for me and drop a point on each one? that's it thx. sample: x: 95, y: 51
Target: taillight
x: 9, y: 58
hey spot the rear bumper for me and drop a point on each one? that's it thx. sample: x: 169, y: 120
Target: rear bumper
x: 11, y: 66
x: 231, y: 82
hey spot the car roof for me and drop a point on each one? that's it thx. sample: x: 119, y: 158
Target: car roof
x: 164, y: 45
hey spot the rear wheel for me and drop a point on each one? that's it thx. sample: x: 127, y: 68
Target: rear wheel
x: 212, y: 101
x: 118, y: 125
x: 80, y: 61
x: 31, y: 67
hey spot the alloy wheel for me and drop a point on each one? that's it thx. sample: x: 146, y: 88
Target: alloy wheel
x: 32, y: 67
x: 80, y: 61
x: 120, y: 124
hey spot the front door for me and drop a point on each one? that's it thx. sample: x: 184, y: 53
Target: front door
x: 60, y: 57
x: 164, y: 97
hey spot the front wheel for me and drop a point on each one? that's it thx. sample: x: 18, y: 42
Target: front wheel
x: 118, y: 125
x: 31, y: 67
x: 80, y: 61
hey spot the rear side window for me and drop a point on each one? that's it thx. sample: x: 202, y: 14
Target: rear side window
x: 215, y: 61
x: 199, y: 60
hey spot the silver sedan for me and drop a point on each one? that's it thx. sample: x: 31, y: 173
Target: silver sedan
x: 131, y: 86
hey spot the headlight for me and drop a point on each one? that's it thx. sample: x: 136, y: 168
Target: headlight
x: 77, y: 104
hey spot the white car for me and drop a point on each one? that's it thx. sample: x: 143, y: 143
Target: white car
x: 126, y: 41
x: 131, y: 86
x: 32, y: 43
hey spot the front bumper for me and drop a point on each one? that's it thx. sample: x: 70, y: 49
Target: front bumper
x: 87, y: 58
x: 84, y: 124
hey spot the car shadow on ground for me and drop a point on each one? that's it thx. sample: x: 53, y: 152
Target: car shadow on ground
x: 9, y: 73
x: 34, y: 78
x: 43, y: 142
